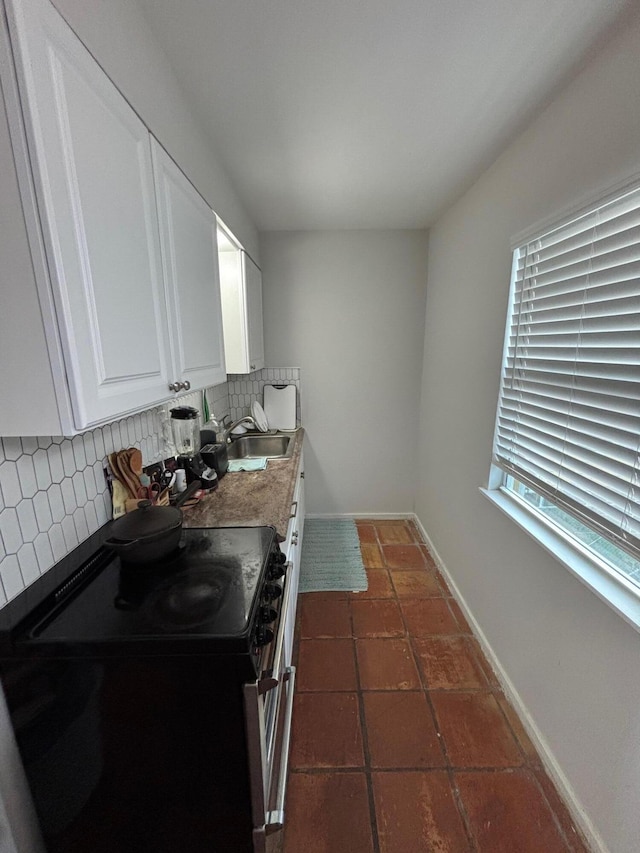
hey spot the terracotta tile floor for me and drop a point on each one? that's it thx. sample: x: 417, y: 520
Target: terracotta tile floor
x: 402, y: 740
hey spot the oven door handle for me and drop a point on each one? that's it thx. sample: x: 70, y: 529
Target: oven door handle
x: 272, y: 681
x: 275, y: 818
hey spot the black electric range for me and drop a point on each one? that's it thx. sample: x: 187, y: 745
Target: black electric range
x: 125, y: 688
x: 205, y: 596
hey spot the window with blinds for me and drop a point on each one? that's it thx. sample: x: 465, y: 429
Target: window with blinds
x: 568, y: 421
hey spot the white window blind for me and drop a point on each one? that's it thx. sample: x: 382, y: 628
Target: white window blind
x: 568, y: 422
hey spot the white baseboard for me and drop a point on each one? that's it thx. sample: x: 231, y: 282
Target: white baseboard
x: 381, y: 515
x: 565, y: 789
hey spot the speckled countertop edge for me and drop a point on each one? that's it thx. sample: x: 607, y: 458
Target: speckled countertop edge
x: 252, y: 499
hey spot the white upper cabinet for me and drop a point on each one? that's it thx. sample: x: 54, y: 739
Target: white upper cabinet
x: 91, y: 161
x: 241, y: 289
x: 188, y: 234
x: 116, y: 293
x: 253, y: 295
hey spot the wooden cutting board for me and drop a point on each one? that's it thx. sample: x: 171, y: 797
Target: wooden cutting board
x: 280, y: 406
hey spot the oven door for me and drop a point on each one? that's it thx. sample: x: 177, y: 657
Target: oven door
x: 268, y: 711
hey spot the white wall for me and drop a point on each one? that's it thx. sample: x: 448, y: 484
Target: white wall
x: 118, y: 36
x: 574, y: 662
x: 348, y: 309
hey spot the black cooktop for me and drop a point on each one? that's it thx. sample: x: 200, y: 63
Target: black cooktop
x: 206, y: 591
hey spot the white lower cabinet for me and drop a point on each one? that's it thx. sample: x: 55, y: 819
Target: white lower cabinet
x: 293, y: 550
x: 118, y: 317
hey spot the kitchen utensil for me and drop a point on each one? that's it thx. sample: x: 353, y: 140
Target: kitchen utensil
x: 131, y: 504
x: 186, y: 430
x: 130, y: 487
x: 186, y: 436
x: 167, y: 479
x: 164, y: 497
x: 189, y: 496
x: 147, y: 534
x: 259, y: 416
x: 127, y: 476
x: 280, y: 406
x: 150, y: 492
x: 135, y: 461
x: 115, y: 470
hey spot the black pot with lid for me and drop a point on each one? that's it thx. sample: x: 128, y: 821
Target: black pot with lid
x: 146, y: 535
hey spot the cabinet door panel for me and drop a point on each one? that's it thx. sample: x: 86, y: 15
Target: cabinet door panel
x: 241, y: 285
x: 92, y: 167
x: 232, y: 296
x: 294, y: 556
x: 253, y: 296
x: 188, y: 231
x: 301, y: 506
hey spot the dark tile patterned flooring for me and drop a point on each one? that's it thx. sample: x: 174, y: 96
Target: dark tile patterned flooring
x: 402, y: 740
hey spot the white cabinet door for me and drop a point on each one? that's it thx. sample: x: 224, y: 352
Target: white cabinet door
x: 241, y: 284
x: 293, y: 551
x: 301, y: 509
x: 93, y: 176
x: 253, y: 297
x: 188, y: 236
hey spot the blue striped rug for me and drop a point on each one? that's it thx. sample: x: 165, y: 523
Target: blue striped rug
x: 331, y: 558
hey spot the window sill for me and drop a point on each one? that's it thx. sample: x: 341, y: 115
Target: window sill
x: 620, y: 594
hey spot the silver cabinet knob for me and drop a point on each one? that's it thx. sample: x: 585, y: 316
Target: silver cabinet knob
x: 175, y: 386
x: 186, y: 385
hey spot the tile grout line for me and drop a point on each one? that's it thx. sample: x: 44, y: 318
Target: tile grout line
x: 373, y: 818
x: 395, y: 599
x: 527, y: 766
x: 365, y: 736
x: 556, y: 818
x: 441, y: 740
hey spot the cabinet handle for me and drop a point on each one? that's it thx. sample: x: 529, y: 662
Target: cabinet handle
x: 294, y: 512
x: 186, y: 385
x: 175, y: 386
x: 252, y: 367
x: 294, y: 538
x: 302, y: 476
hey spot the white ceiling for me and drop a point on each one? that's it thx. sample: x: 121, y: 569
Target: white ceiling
x: 368, y: 113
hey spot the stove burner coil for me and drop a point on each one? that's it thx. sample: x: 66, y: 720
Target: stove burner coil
x: 187, y: 600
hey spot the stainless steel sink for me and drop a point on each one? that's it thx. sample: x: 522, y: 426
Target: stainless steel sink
x: 250, y: 446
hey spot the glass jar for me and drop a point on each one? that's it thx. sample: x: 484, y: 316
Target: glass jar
x: 186, y: 430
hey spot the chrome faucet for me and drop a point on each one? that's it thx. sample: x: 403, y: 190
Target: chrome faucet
x: 226, y: 434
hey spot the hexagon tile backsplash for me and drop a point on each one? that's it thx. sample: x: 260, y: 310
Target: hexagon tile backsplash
x: 245, y: 388
x: 53, y: 493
